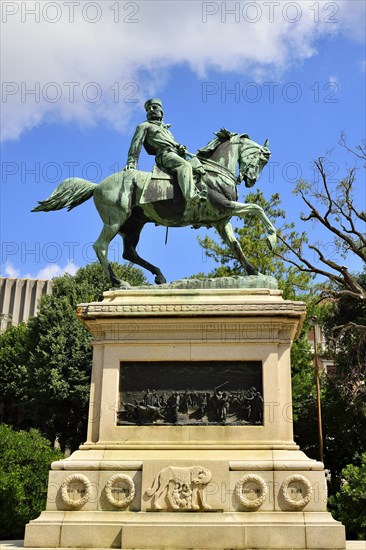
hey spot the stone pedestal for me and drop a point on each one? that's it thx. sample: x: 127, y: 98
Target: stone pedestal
x: 164, y: 477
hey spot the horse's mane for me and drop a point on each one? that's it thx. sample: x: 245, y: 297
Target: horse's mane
x: 221, y: 136
x: 225, y: 134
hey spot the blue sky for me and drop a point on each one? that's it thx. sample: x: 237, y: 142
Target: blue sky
x: 290, y: 71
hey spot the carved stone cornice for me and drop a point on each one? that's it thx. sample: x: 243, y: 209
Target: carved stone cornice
x: 150, y: 310
x: 233, y: 305
x: 249, y: 330
x: 154, y: 303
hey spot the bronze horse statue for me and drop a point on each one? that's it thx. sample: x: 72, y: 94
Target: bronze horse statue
x: 129, y: 199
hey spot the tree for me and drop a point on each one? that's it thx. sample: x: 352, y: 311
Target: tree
x: 89, y: 282
x: 25, y: 459
x: 14, y: 354
x: 344, y: 409
x: 345, y: 328
x: 251, y: 236
x: 55, y: 354
x: 349, y: 504
x: 59, y: 369
x: 344, y: 429
x: 334, y: 209
x: 304, y: 394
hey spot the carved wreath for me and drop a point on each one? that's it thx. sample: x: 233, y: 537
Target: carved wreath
x: 76, y: 478
x: 263, y: 491
x: 120, y: 503
x: 307, y: 487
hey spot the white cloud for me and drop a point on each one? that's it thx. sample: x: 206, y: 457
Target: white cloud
x: 333, y: 79
x: 55, y: 270
x: 48, y: 272
x: 10, y: 270
x: 135, y: 57
x: 333, y: 84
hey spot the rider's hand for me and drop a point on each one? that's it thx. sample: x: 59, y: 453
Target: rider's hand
x: 182, y: 151
x: 130, y: 166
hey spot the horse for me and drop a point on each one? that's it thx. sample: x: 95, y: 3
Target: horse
x: 129, y: 199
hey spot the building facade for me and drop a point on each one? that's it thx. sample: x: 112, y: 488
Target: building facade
x: 19, y: 299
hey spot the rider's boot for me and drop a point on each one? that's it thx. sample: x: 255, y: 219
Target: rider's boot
x: 197, y: 197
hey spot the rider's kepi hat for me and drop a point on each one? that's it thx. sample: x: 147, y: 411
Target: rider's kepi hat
x: 153, y: 101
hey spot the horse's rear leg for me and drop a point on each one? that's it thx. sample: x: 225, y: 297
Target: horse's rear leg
x: 101, y: 249
x: 130, y: 242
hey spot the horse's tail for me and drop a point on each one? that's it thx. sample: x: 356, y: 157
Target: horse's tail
x: 68, y: 194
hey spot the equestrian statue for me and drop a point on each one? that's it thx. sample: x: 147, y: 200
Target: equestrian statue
x: 201, y: 191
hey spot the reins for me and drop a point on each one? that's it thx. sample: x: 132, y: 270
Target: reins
x: 219, y: 169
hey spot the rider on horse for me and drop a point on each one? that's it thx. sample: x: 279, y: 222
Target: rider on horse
x: 157, y: 140
x: 119, y: 198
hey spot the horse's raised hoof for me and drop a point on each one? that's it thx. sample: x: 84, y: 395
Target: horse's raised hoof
x: 160, y: 279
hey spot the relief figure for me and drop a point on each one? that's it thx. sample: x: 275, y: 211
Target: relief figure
x: 180, y: 488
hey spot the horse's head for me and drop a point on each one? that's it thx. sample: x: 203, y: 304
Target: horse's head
x: 252, y: 159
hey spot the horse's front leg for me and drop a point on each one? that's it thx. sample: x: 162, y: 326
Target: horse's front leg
x: 227, y: 234
x: 241, y: 209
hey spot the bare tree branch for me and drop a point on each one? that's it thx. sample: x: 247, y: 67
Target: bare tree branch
x: 316, y: 214
x: 349, y: 325
x: 361, y: 154
x: 310, y: 267
x: 341, y: 219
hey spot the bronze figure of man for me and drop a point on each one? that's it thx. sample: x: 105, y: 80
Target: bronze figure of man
x: 157, y: 140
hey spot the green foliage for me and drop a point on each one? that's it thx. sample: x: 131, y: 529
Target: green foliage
x: 14, y: 354
x: 89, y: 282
x: 54, y: 351
x: 304, y: 394
x: 344, y: 429
x: 25, y: 459
x: 59, y: 368
x: 252, y: 238
x: 346, y: 329
x: 345, y: 391
x: 349, y: 504
x: 302, y: 372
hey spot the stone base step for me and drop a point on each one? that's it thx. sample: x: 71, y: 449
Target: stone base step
x: 187, y: 531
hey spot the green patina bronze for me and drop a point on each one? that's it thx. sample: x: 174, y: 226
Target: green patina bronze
x: 157, y: 140
x: 201, y: 191
x: 211, y: 283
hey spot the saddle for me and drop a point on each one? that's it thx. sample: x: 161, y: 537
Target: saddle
x: 162, y: 185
